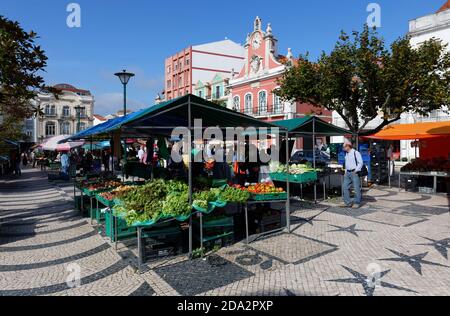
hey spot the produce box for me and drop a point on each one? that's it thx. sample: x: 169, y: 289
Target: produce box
x: 269, y: 197
x: 104, y: 201
x: 123, y: 230
x: 295, y: 178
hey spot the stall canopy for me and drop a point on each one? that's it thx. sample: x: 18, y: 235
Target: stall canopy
x: 414, y: 131
x: 310, y: 125
x: 162, y: 118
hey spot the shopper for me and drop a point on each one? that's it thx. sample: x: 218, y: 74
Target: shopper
x: 353, y: 165
x: 65, y: 163
x: 391, y: 160
x: 105, y: 160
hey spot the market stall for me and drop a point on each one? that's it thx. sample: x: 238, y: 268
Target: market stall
x: 301, y: 174
x: 161, y: 120
x: 434, y: 161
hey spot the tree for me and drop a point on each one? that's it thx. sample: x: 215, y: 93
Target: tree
x: 21, y: 61
x: 362, y: 80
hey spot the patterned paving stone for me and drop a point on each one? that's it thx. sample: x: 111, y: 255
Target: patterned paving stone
x: 292, y: 248
x: 198, y: 276
x: 396, y: 244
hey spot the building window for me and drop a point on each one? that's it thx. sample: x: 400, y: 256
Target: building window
x: 187, y: 62
x: 262, y: 102
x: 248, y: 104
x: 50, y: 110
x: 218, y: 93
x: 50, y: 129
x: 277, y: 104
x: 236, y: 103
x: 180, y: 82
x: 169, y: 84
x: 66, y: 111
x: 82, y: 126
x: 65, y: 128
x: 168, y: 69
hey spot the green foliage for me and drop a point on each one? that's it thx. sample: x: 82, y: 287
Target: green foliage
x: 361, y: 79
x: 203, y: 198
x: 21, y: 62
x: 233, y: 195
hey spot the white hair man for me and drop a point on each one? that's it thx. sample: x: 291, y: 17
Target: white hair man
x: 353, y: 165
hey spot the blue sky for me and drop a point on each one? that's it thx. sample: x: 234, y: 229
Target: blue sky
x: 138, y: 35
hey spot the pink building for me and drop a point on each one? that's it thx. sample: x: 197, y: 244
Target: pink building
x: 201, y: 63
x: 251, y: 90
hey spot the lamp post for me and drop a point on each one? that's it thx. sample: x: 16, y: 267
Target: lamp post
x: 78, y: 109
x: 124, y: 78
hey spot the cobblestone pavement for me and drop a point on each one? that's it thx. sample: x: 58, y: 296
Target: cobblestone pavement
x: 398, y: 243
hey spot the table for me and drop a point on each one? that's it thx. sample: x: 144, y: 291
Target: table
x: 434, y: 174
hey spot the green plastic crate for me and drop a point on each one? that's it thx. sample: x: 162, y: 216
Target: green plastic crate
x: 269, y: 197
x: 123, y: 230
x: 306, y: 177
x: 103, y: 201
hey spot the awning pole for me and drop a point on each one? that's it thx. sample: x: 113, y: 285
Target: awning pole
x: 190, y: 172
x: 314, y: 156
x: 288, y: 190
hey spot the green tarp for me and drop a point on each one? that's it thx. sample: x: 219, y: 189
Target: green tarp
x: 162, y: 118
x: 309, y: 124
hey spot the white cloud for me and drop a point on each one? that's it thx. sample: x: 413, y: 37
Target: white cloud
x: 110, y: 103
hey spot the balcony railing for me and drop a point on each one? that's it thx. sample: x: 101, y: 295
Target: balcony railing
x: 50, y: 114
x: 248, y: 111
x: 278, y: 109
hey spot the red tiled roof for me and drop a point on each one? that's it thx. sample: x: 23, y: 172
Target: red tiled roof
x: 68, y: 87
x: 446, y: 6
x: 99, y: 117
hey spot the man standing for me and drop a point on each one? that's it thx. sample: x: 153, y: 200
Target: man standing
x: 65, y: 163
x: 141, y: 153
x: 353, y: 165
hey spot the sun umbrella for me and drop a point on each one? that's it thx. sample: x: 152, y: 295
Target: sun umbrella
x: 51, y: 143
x: 68, y: 146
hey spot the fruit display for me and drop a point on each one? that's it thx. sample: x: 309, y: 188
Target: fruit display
x: 260, y: 188
x: 104, y: 185
x: 117, y: 192
x: 428, y: 165
x: 264, y: 188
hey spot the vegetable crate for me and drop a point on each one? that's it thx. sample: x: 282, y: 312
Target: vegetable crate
x: 217, y: 231
x: 105, y: 202
x: 162, y: 241
x: 294, y: 178
x: 264, y: 222
x: 86, y: 204
x: 123, y: 230
x: 269, y: 197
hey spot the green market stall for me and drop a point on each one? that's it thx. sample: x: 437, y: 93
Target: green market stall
x: 308, y: 126
x: 162, y: 119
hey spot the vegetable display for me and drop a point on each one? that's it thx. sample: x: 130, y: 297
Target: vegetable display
x: 428, y: 165
x: 276, y: 167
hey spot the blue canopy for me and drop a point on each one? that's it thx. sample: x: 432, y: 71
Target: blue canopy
x: 100, y: 130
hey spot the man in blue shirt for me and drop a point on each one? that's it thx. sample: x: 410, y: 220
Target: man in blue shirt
x: 65, y: 163
x: 353, y: 165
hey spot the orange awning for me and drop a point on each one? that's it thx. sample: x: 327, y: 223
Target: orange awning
x: 414, y: 131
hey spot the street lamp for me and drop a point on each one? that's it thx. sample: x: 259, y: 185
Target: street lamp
x: 124, y: 77
x: 78, y: 109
